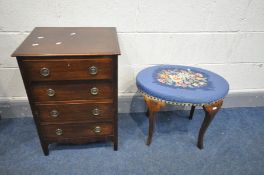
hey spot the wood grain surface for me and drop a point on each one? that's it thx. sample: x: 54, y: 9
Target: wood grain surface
x: 71, y: 41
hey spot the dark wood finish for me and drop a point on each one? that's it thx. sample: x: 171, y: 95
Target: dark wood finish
x: 43, y: 143
x: 69, y: 63
x: 79, y: 140
x: 76, y: 130
x: 191, y: 113
x: 69, y: 41
x: 67, y: 112
x: 210, y: 112
x: 115, y: 102
x: 68, y: 68
x: 154, y: 106
x: 78, y: 90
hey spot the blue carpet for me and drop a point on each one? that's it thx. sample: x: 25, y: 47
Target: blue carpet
x: 234, y: 144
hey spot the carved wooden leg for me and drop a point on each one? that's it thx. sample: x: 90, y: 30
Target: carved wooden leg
x: 153, y: 108
x: 152, y: 120
x: 210, y: 112
x: 191, y: 113
x: 45, y: 148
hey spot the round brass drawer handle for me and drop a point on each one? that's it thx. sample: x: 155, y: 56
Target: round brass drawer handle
x: 94, y: 91
x: 96, y: 112
x: 97, y: 130
x: 59, y: 132
x: 93, y: 70
x: 54, y: 113
x: 51, y: 92
x: 44, y: 72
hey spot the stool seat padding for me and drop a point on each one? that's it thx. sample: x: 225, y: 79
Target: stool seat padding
x: 182, y: 84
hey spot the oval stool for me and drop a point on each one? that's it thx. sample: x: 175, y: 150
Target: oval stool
x: 182, y: 85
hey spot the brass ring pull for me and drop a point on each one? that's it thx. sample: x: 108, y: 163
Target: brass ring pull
x: 54, y: 113
x: 51, y: 92
x: 97, y: 130
x: 93, y: 70
x: 44, y: 72
x: 59, y: 132
x: 94, y: 91
x: 96, y: 111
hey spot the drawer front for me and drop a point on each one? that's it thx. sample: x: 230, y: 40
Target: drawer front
x: 76, y: 130
x: 71, y: 91
x: 75, y: 112
x: 67, y: 69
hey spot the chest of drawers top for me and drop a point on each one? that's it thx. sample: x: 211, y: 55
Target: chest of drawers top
x: 69, y: 41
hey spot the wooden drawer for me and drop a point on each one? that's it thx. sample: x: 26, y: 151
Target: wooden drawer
x: 67, y: 69
x: 68, y: 112
x: 81, y: 90
x: 61, y: 131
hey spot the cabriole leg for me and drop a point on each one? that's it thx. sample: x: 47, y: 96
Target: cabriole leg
x: 153, y: 108
x: 210, y: 112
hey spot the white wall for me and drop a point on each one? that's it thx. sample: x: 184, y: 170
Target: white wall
x: 225, y: 36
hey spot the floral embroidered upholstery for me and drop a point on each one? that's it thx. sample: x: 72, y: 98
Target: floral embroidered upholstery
x: 184, y: 85
x: 181, y: 78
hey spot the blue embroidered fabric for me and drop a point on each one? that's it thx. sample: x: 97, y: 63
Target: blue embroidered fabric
x: 182, y: 84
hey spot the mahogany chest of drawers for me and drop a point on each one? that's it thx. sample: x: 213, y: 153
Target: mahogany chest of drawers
x: 70, y: 76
